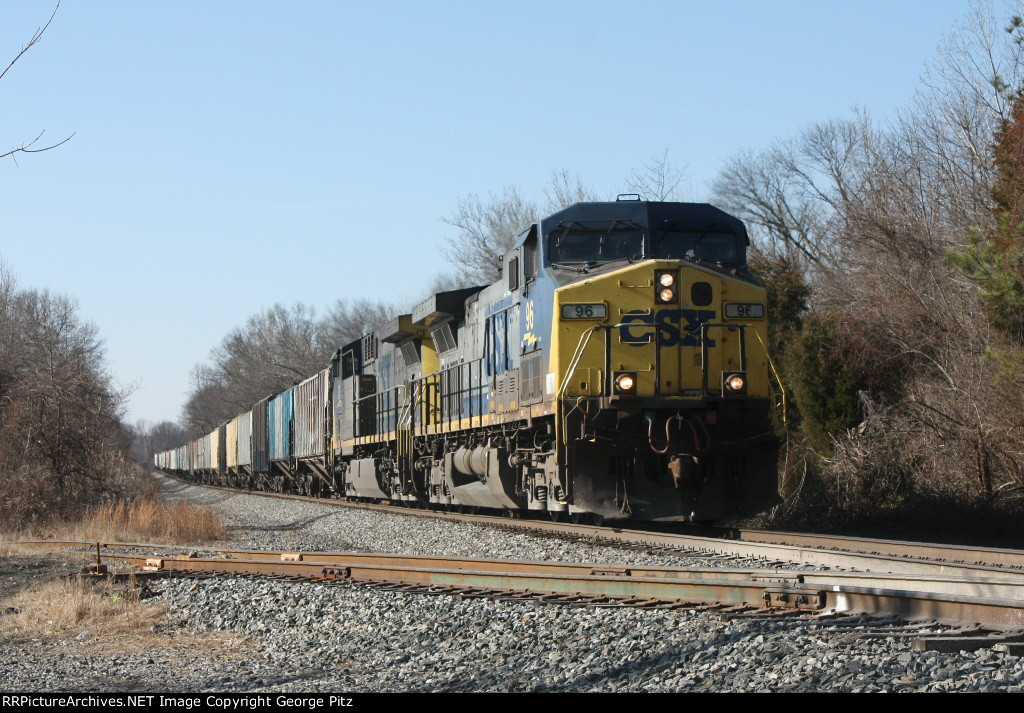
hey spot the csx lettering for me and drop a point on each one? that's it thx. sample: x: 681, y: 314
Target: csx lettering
x: 686, y: 334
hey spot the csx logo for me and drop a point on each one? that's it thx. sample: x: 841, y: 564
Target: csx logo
x: 675, y: 327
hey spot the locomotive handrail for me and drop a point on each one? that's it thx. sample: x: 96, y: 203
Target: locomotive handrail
x: 381, y: 426
x: 608, y: 390
x: 778, y: 378
x: 561, y: 426
x: 405, y: 419
x: 450, y: 400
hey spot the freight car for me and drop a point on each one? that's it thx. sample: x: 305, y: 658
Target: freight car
x: 618, y: 370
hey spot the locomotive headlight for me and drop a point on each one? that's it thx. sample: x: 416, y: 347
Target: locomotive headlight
x: 625, y: 382
x: 734, y: 383
x: 665, y: 285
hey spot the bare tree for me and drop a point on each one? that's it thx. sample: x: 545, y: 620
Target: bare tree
x: 165, y: 435
x: 450, y: 280
x: 347, y: 320
x: 965, y: 96
x: 878, y: 209
x: 760, y: 189
x: 564, y: 189
x: 148, y: 439
x: 33, y: 145
x: 795, y: 194
x: 270, y: 352
x: 485, y: 230
x: 658, y: 180
x: 61, y: 437
x: 209, y: 403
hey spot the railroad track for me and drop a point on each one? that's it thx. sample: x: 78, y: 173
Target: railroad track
x: 977, y: 587
x: 783, y: 549
x: 983, y: 609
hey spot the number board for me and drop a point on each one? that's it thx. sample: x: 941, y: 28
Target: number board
x: 744, y: 310
x: 584, y: 310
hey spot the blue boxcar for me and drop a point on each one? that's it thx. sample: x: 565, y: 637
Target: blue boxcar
x: 280, y: 413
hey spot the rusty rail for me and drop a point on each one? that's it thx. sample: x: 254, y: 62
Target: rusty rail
x: 996, y: 603
x: 768, y: 590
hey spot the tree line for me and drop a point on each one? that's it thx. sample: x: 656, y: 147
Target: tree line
x: 274, y: 349
x: 62, y: 442
x: 893, y: 255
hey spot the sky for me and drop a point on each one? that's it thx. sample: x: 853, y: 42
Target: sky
x: 227, y: 156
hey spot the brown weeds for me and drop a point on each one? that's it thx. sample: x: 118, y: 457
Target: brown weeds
x: 150, y: 520
x: 147, y: 520
x: 73, y: 606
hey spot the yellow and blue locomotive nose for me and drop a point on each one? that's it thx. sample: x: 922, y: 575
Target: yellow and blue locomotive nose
x: 671, y: 331
x: 665, y: 397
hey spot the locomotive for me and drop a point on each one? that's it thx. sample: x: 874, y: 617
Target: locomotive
x: 618, y: 370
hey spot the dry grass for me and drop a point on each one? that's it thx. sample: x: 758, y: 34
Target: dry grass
x: 94, y: 615
x: 149, y: 520
x: 10, y: 547
x: 70, y: 606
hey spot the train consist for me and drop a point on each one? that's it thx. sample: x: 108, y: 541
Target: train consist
x: 618, y: 370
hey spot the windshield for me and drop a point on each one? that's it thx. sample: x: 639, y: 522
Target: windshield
x: 699, y: 246
x: 576, y: 244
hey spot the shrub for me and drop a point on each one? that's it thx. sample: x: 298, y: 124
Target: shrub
x: 825, y: 382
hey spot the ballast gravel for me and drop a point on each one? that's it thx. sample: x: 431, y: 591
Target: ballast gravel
x: 257, y: 635
x: 263, y: 523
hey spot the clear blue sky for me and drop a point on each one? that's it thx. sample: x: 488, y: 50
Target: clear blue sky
x: 230, y: 155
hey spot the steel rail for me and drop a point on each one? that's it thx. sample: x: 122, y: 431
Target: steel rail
x: 994, y: 603
x: 955, y: 554
x: 1009, y: 588
x: 776, y: 591
x: 1003, y: 587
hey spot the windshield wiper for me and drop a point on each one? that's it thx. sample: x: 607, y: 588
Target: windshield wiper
x: 561, y: 239
x: 608, y: 233
x: 591, y: 264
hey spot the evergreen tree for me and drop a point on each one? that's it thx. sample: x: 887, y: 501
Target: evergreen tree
x: 995, y: 260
